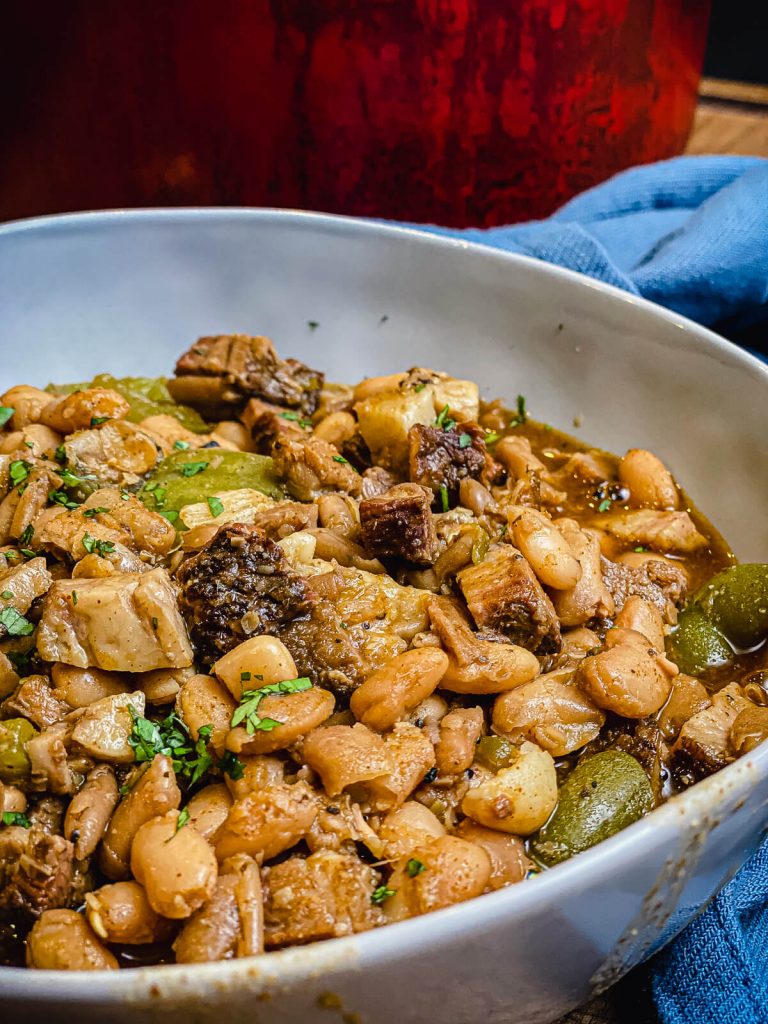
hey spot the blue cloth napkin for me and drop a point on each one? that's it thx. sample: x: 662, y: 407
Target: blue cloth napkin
x: 690, y: 234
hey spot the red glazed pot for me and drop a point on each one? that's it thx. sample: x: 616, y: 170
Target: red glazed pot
x: 454, y: 111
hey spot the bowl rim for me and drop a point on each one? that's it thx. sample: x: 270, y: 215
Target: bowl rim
x: 402, y: 939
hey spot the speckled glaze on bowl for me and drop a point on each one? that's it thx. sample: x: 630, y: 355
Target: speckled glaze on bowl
x: 126, y: 292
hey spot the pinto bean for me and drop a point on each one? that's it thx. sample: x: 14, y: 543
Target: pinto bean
x: 475, y: 497
x: 204, y: 701
x: 175, y: 865
x: 89, y: 811
x: 398, y: 686
x: 550, y: 712
x: 339, y: 513
x: 256, y: 662
x: 544, y: 547
x: 208, y: 810
x: 643, y: 617
x: 336, y: 428
x: 27, y: 404
x: 299, y: 713
x: 412, y: 757
x: 62, y: 940
x: 518, y: 799
x: 267, y: 821
x: 628, y: 677
x: 12, y: 799
x: 344, y: 755
x: 459, y: 732
x: 257, y: 772
x: 450, y: 870
x: 153, y: 794
x: 650, y: 483
x: 76, y: 411
x: 509, y: 862
x: 122, y: 913
x: 231, y: 922
x: 407, y: 827
x: 589, y: 596
x: 81, y: 687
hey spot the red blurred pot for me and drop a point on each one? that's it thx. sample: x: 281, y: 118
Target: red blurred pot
x: 455, y: 111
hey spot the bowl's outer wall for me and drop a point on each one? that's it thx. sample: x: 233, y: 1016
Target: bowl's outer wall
x: 126, y: 293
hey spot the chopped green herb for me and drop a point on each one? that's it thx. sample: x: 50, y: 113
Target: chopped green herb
x: 343, y: 625
x: 640, y: 549
x: 521, y: 415
x: 69, y: 479
x: 19, y: 661
x: 248, y: 710
x: 7, y: 595
x: 100, y: 547
x: 62, y: 498
x: 16, y: 818
x: 5, y: 414
x: 171, y: 737
x: 443, y: 421
x: 444, y: 498
x: 60, y: 454
x: 191, y: 468
x: 383, y: 319
x: 414, y: 867
x: 294, y: 417
x: 151, y: 485
x: 15, y: 623
x: 89, y: 513
x: 604, y: 505
x: 26, y: 535
x: 96, y: 421
x: 28, y: 552
x: 245, y: 677
x: 419, y: 387
x: 231, y: 765
x: 548, y: 426
x: 125, y: 495
x: 170, y: 515
x: 159, y: 494
x: 215, y: 505
x: 181, y: 446
x: 465, y: 440
x: 491, y: 437
x: 181, y: 821
x: 154, y: 622
x: 312, y: 325
x: 74, y: 597
x: 340, y: 458
x: 196, y: 767
x: 19, y: 471
x: 382, y: 893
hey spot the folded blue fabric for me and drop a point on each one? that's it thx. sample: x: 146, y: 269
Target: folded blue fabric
x: 690, y: 234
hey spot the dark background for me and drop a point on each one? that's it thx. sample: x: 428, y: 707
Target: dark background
x: 738, y: 41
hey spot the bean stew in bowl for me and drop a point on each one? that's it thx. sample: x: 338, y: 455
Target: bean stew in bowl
x: 283, y: 660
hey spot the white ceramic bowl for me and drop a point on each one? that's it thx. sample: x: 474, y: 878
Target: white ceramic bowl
x: 126, y: 292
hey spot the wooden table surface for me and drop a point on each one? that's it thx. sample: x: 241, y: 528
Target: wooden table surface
x: 732, y: 117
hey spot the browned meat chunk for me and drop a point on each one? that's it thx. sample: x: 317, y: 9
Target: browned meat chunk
x: 443, y: 458
x: 504, y: 596
x: 703, y: 745
x: 399, y: 524
x: 286, y: 517
x: 238, y: 586
x: 311, y: 467
x: 377, y: 480
x: 41, y: 878
x: 658, y: 581
x: 324, y: 650
x: 325, y: 896
x: 269, y: 423
x: 250, y: 366
x: 34, y: 699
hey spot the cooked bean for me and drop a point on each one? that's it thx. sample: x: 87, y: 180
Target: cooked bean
x: 407, y: 827
x: 299, y: 713
x: 590, y: 596
x: 544, y: 547
x: 36, y: 438
x: 256, y: 662
x: 749, y: 729
x: 208, y: 810
x: 643, y: 617
x: 266, y: 822
x: 339, y: 513
x: 412, y: 756
x: 509, y: 862
x: 62, y: 940
x: 448, y: 870
x: 428, y: 714
x: 162, y: 685
x: 474, y: 496
x: 27, y: 404
x: 203, y: 701
x: 104, y: 727
x: 549, y: 712
x: 12, y: 799
x: 90, y: 809
x: 77, y: 411
x: 153, y: 794
x: 235, y: 433
x: 175, y: 865
x: 518, y: 799
x: 344, y: 755
x: 257, y: 772
x: 336, y: 428
x: 230, y: 923
x: 331, y: 546
x: 121, y: 913
x: 688, y: 697
x: 398, y: 686
x: 81, y: 687
x: 516, y: 454
x: 649, y: 481
x: 459, y: 732
x: 628, y: 677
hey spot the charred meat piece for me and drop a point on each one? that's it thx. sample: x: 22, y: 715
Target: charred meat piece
x: 269, y: 423
x: 41, y: 878
x: 324, y: 650
x: 703, y: 745
x: 658, y: 581
x: 399, y: 524
x: 238, y: 586
x: 250, y: 367
x: 504, y: 596
x: 286, y: 517
x: 440, y: 459
x: 311, y: 467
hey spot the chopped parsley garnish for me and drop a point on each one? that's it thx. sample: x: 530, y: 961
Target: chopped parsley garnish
x: 154, y: 622
x: 170, y: 515
x: 419, y: 387
x: 26, y: 535
x: 465, y: 440
x: 74, y: 597
x: 69, y: 479
x: 171, y: 737
x: 383, y: 318
x: 521, y: 415
x: 89, y: 513
x: 443, y: 421
x: 15, y: 623
x: 340, y: 458
x: 181, y: 821
x: 60, y: 454
x: 640, y: 550
x: 604, y: 505
x: 125, y: 495
x: 19, y: 471
x: 313, y: 324
x: 295, y: 418
x: 215, y: 505
x: 96, y: 421
x: 491, y: 437
x: 381, y: 893
x: 444, y: 497
x: 62, y: 498
x: 7, y: 595
x: 181, y: 446
x: 5, y: 414
x: 192, y: 468
x: 28, y: 552
x: 245, y: 677
x: 231, y: 765
x: 248, y: 710
x: 415, y: 867
x: 99, y: 547
x: 16, y: 818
